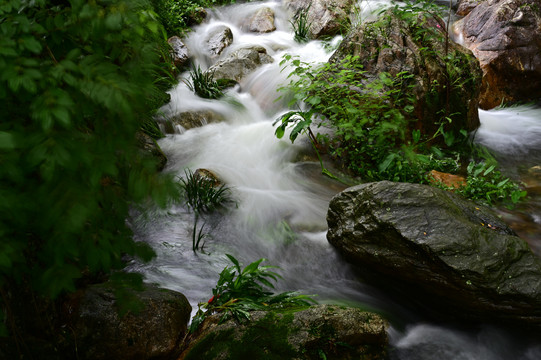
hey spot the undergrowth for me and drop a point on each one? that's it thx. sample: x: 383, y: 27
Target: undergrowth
x: 239, y: 291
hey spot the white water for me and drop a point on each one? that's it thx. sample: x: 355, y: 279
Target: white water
x: 281, y: 202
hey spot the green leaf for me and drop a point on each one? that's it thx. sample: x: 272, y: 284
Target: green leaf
x: 32, y: 44
x: 7, y: 141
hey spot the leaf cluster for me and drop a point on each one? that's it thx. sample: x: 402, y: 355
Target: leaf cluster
x: 77, y: 81
x: 202, y: 194
x: 368, y: 116
x: 239, y: 291
x: 203, y: 84
x: 301, y: 26
x: 487, y: 185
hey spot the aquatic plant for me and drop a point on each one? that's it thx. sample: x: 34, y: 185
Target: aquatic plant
x: 203, y: 84
x: 202, y: 194
x: 301, y: 26
x: 239, y: 291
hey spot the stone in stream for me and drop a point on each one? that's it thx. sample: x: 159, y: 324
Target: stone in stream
x: 396, y: 44
x: 154, y: 332
x: 505, y: 35
x: 441, y: 250
x: 325, y: 18
x: 179, y: 51
x: 189, y: 120
x: 309, y: 333
x: 240, y: 63
x: 262, y: 21
x: 219, y: 38
x: 150, y: 147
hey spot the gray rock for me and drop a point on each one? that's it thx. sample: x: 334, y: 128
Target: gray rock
x: 262, y: 21
x: 191, y: 119
x: 326, y: 18
x: 154, y: 332
x: 240, y: 63
x: 505, y: 35
x: 179, y: 51
x: 441, y: 249
x: 337, y: 332
x: 219, y: 38
x: 393, y: 45
x: 466, y: 6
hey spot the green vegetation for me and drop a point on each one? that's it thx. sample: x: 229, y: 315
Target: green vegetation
x: 77, y: 82
x: 202, y: 194
x: 177, y: 16
x: 203, y: 84
x: 369, y: 126
x: 301, y: 26
x: 240, y: 291
x: 487, y: 185
x: 373, y: 118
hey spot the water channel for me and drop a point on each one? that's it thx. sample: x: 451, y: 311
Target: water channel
x: 282, y: 198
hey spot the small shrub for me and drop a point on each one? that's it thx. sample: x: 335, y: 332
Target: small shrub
x: 301, y: 26
x: 203, y: 84
x: 487, y: 185
x: 240, y: 291
x: 201, y: 194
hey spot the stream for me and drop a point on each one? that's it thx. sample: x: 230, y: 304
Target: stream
x: 281, y: 198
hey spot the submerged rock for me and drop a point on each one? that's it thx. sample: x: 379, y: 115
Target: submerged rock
x: 219, y: 38
x: 154, y: 332
x: 505, y: 35
x: 325, y: 330
x: 438, y: 248
x: 416, y: 47
x: 325, y: 18
x: 189, y: 120
x: 240, y: 63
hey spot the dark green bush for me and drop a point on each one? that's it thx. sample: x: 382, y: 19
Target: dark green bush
x: 77, y: 81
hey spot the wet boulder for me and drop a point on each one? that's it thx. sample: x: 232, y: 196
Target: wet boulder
x: 218, y: 39
x: 153, y: 332
x: 179, y: 51
x: 325, y: 18
x: 439, y: 250
x: 505, y: 35
x: 190, y: 119
x: 208, y: 176
x: 240, y: 63
x: 442, y: 77
x: 322, y: 331
x: 150, y: 147
x: 262, y: 21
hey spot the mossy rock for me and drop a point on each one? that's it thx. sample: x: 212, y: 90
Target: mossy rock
x: 307, y: 333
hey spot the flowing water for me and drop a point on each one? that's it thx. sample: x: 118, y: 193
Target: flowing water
x: 282, y: 198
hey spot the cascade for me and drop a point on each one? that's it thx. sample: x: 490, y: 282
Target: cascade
x: 282, y: 198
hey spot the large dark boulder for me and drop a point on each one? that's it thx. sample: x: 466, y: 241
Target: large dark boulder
x: 325, y: 18
x: 152, y: 333
x: 439, y: 249
x: 505, y: 35
x: 324, y: 330
x: 445, y: 77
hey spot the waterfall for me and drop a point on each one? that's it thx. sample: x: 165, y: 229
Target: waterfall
x: 282, y: 199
